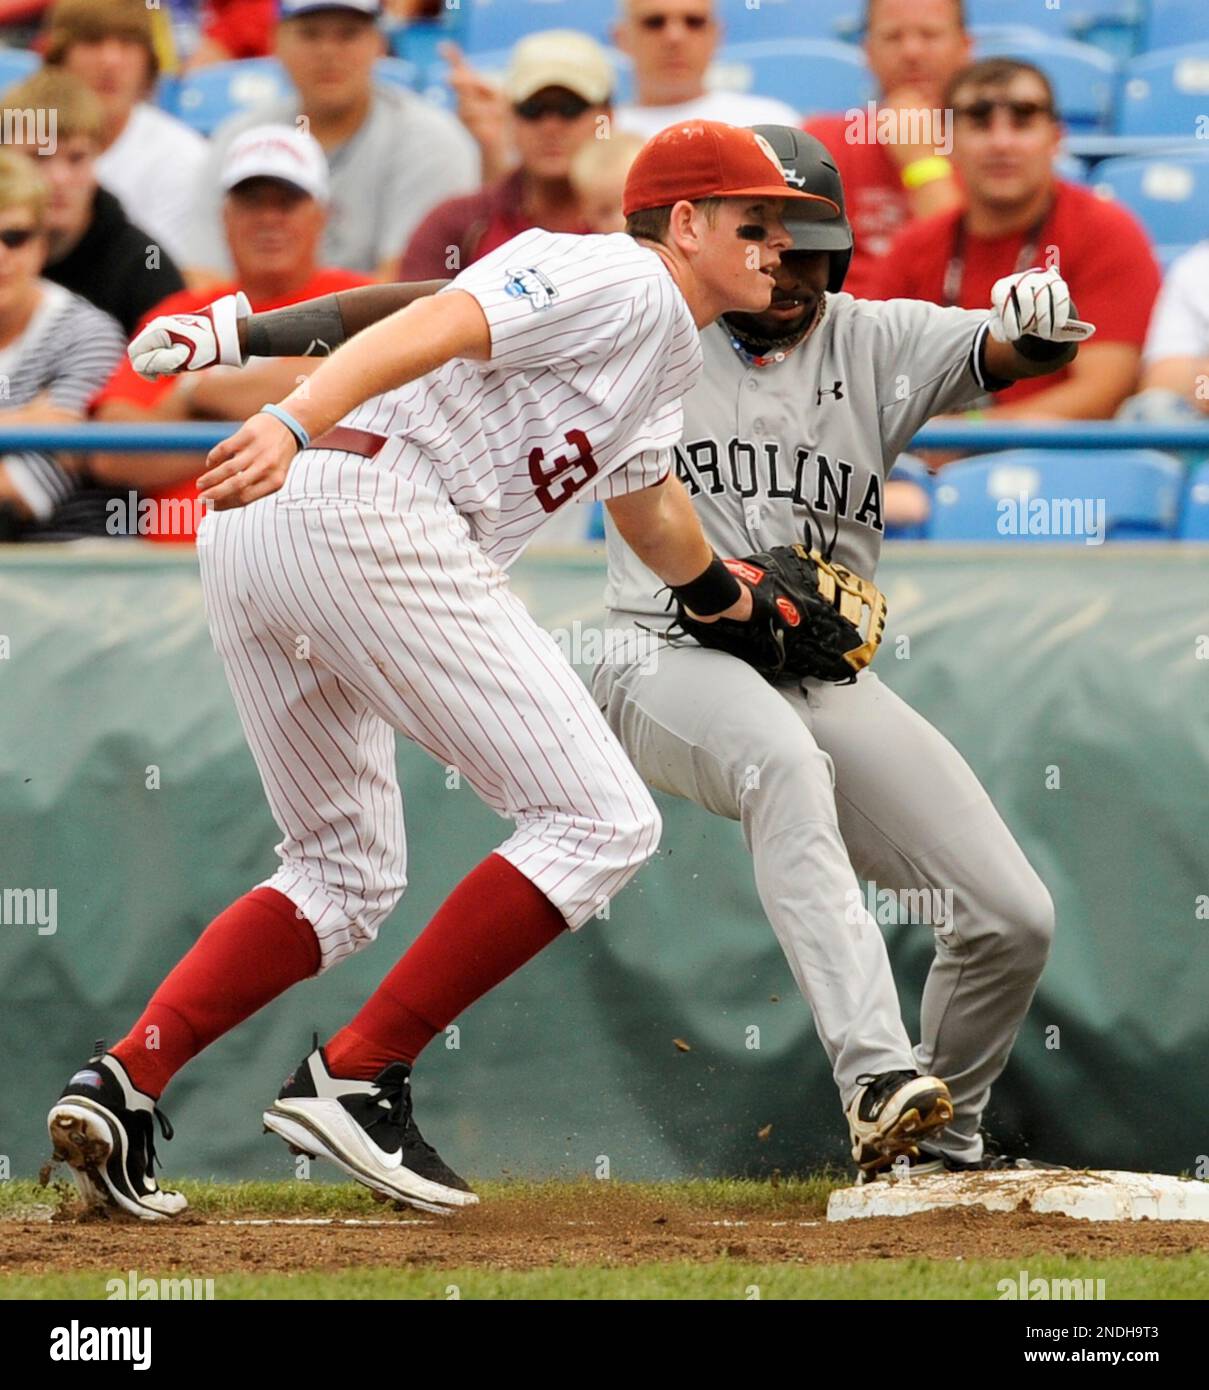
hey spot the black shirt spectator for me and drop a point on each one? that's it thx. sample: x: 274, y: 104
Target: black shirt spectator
x: 92, y: 247
x: 109, y: 265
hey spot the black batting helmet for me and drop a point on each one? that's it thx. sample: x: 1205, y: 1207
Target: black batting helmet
x: 808, y: 165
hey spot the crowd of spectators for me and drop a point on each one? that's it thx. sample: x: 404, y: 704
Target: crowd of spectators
x: 112, y: 210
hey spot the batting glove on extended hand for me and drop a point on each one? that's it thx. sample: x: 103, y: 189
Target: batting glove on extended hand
x: 1036, y: 304
x: 188, y: 342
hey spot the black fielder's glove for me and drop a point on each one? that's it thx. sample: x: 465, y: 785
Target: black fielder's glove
x: 810, y: 617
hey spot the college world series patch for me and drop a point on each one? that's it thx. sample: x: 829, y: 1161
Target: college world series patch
x: 529, y: 283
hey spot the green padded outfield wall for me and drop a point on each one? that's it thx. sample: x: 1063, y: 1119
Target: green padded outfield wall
x: 1088, y: 664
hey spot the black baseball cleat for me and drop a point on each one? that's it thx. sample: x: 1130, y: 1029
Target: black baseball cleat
x: 925, y: 1163
x: 103, y: 1128
x: 366, y: 1128
x: 892, y: 1112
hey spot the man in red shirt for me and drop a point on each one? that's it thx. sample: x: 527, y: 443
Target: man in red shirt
x: 558, y: 89
x: 276, y: 184
x: 1018, y: 215
x: 895, y: 168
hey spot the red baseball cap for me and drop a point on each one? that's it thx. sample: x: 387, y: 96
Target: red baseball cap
x: 710, y: 159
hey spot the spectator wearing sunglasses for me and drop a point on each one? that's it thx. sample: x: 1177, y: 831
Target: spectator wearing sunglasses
x: 56, y: 351
x: 93, y: 248
x: 671, y: 44
x: 557, y: 89
x: 1018, y: 214
x: 914, y: 48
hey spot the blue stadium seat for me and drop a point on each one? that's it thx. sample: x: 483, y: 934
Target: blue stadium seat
x: 1175, y: 22
x: 16, y: 64
x: 1059, y: 496
x: 494, y: 24
x: 167, y: 93
x: 495, y: 62
x: 1067, y: 18
x: 910, y: 468
x: 210, y: 95
x: 205, y: 98
x: 1070, y: 167
x: 1113, y: 25
x: 757, y: 21
x: 811, y: 75
x: 1166, y: 255
x: 398, y: 72
x: 1194, y: 520
x: 1084, y: 78
x: 996, y: 38
x: 1164, y: 93
x: 1168, y: 192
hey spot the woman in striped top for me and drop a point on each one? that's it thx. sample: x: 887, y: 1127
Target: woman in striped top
x: 56, y: 351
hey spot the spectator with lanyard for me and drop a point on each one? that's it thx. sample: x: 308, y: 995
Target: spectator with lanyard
x: 1018, y: 214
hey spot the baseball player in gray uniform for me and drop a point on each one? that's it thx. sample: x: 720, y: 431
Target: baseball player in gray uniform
x: 796, y: 420
x: 794, y: 425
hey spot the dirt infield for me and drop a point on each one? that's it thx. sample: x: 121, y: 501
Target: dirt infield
x: 612, y: 1228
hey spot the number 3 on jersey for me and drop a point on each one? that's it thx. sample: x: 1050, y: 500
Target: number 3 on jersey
x: 559, y: 481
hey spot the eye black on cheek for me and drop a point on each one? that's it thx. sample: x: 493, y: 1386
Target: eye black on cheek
x: 751, y: 233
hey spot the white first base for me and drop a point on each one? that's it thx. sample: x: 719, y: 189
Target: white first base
x: 1091, y: 1196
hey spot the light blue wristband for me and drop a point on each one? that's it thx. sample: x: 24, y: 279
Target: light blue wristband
x: 297, y: 430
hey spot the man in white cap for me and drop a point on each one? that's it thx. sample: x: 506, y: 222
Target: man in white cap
x: 276, y: 188
x: 557, y: 88
x: 392, y: 155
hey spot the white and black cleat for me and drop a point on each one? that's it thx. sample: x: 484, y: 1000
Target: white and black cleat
x: 925, y: 1163
x: 366, y: 1129
x: 103, y: 1128
x: 891, y: 1113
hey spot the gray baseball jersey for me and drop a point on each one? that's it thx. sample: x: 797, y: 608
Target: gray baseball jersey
x: 833, y: 784
x: 820, y: 429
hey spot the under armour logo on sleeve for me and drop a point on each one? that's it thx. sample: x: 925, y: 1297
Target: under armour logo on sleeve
x: 838, y: 393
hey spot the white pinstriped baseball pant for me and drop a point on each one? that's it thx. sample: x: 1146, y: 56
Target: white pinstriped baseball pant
x: 337, y: 623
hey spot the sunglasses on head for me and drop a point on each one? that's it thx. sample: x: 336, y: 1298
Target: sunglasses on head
x: 569, y: 107
x: 656, y: 22
x: 1022, y: 113
x: 16, y: 237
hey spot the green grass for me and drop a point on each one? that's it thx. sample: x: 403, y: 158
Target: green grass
x: 805, y: 1197
x: 1181, y: 1276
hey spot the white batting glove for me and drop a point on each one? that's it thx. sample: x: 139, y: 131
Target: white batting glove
x: 188, y: 342
x: 1035, y: 303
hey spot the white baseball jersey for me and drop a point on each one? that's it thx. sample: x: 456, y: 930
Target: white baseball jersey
x: 592, y: 348
x: 366, y: 595
x: 820, y: 429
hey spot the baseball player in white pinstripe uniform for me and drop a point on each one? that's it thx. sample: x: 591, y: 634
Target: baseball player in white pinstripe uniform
x: 354, y: 575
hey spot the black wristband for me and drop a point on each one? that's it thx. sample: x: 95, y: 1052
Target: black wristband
x: 714, y: 590
x: 1044, y: 350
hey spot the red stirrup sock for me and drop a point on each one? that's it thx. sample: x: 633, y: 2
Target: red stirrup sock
x: 490, y: 925
x: 247, y: 956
